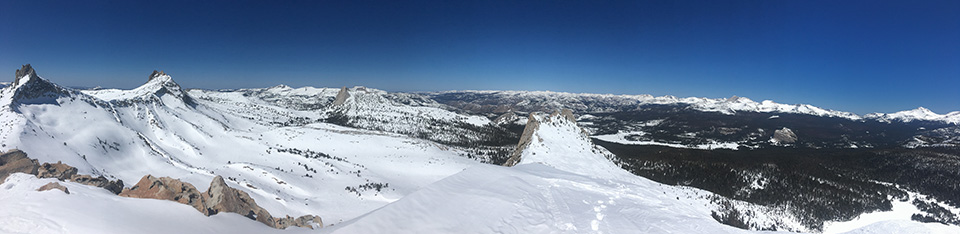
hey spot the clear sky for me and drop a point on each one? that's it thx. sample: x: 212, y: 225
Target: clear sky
x: 859, y: 56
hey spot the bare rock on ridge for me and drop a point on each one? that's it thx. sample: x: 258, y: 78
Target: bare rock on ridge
x: 16, y: 161
x: 525, y: 139
x: 57, y: 170
x: 165, y: 188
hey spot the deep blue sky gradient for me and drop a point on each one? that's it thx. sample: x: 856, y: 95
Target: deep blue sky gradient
x: 859, y: 56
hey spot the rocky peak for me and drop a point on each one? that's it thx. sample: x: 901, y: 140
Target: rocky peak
x: 156, y: 74
x: 25, y: 71
x: 29, y: 87
x: 341, y: 96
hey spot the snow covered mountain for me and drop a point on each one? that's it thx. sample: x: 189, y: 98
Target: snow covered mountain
x: 364, y: 160
x: 160, y: 129
x: 531, y: 101
x: 919, y: 114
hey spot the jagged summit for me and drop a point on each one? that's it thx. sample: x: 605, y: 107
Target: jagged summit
x: 156, y: 74
x: 25, y: 71
x: 28, y: 87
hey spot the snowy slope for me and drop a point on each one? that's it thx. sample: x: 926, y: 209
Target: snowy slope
x: 271, y: 144
x: 563, y: 184
x: 158, y: 129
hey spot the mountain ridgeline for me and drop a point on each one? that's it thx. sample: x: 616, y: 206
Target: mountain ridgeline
x: 350, y: 152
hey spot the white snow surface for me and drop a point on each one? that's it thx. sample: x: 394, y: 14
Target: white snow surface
x: 917, y: 115
x: 564, y: 184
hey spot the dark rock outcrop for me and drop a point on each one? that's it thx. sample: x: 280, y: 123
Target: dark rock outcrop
x: 155, y: 74
x: 25, y: 70
x: 113, y: 186
x: 16, y: 161
x: 57, y: 170
x: 54, y: 185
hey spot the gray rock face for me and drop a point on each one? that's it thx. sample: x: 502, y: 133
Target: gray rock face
x: 16, y: 161
x: 341, y: 96
x: 525, y: 139
x: 532, y: 125
x: 784, y: 135
x: 54, y: 185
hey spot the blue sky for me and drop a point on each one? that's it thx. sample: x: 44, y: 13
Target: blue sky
x: 859, y: 56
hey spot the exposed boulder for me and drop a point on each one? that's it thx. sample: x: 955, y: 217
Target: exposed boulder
x: 57, y: 170
x: 222, y: 198
x: 53, y: 185
x: 16, y: 161
x: 341, y: 96
x: 784, y: 135
x: 165, y: 188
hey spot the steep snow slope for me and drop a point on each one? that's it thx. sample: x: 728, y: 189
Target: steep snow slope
x: 335, y: 172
